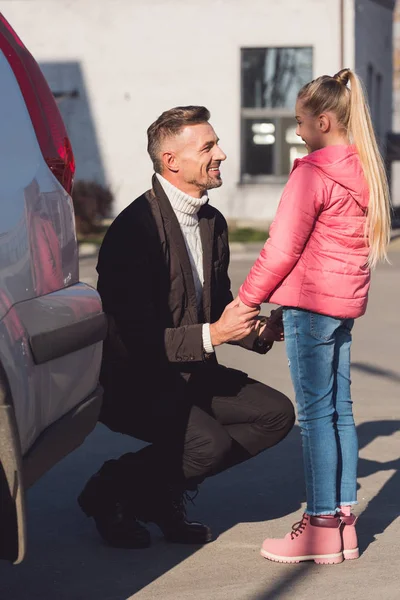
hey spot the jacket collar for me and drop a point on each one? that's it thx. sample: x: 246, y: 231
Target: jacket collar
x: 176, y: 239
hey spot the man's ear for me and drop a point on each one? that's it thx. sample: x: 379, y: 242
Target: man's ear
x: 170, y: 162
x: 324, y: 123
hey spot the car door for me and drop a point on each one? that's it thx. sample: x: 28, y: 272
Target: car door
x: 51, y: 324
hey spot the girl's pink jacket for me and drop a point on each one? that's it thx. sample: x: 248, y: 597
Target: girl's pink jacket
x: 316, y: 255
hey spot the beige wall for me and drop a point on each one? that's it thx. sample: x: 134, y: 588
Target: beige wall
x: 140, y: 57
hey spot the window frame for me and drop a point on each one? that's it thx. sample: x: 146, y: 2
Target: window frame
x: 277, y: 114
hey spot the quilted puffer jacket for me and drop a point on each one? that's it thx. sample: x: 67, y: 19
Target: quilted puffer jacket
x: 316, y: 255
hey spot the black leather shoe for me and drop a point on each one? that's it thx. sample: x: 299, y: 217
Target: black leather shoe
x: 116, y: 525
x: 185, y: 532
x: 122, y: 531
x: 167, y: 509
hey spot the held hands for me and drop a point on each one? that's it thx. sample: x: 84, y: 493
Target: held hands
x: 273, y: 328
x: 269, y: 330
x: 236, y: 322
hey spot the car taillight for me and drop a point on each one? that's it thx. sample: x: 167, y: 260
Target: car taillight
x: 46, y: 119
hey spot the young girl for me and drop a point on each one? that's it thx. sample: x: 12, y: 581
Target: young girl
x: 332, y: 226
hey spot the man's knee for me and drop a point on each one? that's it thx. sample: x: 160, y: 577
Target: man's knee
x: 281, y: 415
x: 206, y: 455
x: 276, y: 416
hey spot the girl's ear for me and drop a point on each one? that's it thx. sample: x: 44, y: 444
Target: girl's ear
x: 324, y: 123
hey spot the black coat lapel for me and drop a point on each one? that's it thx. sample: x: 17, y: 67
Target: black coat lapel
x: 176, y: 239
x: 206, y: 223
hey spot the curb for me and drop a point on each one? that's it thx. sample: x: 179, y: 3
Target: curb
x: 239, y: 250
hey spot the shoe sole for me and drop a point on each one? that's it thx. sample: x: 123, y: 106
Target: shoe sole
x: 319, y: 559
x: 351, y: 554
x: 126, y: 546
x: 199, y: 542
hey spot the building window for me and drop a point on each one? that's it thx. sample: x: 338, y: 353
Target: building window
x: 271, y: 79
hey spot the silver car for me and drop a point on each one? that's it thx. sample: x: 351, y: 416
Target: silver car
x: 51, y: 325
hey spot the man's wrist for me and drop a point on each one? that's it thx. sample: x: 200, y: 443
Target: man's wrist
x: 215, y: 336
x: 207, y: 342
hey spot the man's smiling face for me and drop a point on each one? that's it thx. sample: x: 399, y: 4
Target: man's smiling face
x: 194, y: 158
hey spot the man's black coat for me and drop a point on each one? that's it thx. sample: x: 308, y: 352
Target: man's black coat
x: 147, y: 288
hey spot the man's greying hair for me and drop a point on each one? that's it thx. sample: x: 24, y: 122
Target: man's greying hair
x: 169, y: 124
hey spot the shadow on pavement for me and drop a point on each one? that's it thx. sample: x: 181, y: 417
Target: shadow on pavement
x: 287, y: 583
x: 377, y: 371
x: 384, y: 508
x: 66, y: 559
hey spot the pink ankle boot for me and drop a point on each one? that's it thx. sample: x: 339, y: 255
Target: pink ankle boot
x: 349, y: 534
x: 313, y: 538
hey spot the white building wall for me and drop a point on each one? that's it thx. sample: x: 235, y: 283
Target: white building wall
x: 138, y: 58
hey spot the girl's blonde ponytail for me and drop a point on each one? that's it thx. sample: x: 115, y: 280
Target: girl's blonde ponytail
x: 362, y: 135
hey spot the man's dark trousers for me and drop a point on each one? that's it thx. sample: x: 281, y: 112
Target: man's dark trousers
x: 219, y: 417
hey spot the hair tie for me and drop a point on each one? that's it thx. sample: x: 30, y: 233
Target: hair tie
x: 342, y: 76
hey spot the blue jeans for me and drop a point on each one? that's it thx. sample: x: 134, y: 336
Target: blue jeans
x: 318, y: 349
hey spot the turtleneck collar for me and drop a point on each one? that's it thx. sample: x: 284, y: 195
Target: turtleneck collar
x: 185, y: 207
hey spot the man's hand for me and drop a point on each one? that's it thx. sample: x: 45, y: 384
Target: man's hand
x: 236, y: 322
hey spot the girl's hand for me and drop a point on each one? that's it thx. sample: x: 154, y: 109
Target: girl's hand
x: 241, y: 305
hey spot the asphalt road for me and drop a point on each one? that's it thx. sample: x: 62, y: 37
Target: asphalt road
x: 67, y: 561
